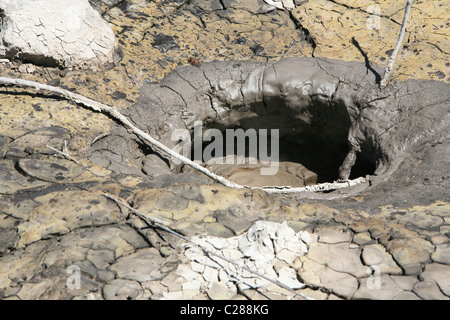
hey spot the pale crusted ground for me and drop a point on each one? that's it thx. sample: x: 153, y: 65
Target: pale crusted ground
x: 53, y: 214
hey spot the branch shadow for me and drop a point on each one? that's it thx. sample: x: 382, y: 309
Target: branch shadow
x: 366, y: 61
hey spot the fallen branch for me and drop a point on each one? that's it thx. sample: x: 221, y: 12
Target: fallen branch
x: 393, y: 56
x: 164, y: 226
x: 65, y: 153
x: 100, y: 107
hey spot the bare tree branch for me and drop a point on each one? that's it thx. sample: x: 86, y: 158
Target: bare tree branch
x: 393, y: 56
x: 66, y: 154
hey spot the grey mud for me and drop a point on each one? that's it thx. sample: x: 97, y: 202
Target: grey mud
x: 332, y: 116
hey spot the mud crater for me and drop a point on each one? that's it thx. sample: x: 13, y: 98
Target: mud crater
x: 331, y: 115
x: 320, y: 145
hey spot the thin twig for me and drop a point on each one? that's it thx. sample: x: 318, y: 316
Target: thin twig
x: 98, y: 138
x: 66, y: 154
x: 66, y: 151
x: 393, y: 56
x: 289, y: 47
x: 111, y: 111
x: 164, y: 226
x: 141, y: 215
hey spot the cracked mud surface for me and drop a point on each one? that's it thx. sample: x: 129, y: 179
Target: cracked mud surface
x: 386, y: 240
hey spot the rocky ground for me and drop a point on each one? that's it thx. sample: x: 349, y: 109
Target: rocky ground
x: 61, y: 238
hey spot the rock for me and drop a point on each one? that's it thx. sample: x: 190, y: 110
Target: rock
x: 429, y: 290
x: 154, y: 166
x: 138, y: 266
x: 186, y: 272
x: 197, y: 267
x: 362, y: 238
x: 49, y: 169
x: 220, y: 291
x: 216, y: 230
x: 172, y: 283
x: 37, y: 141
x: 64, y: 212
x: 406, y: 296
x: 254, y: 250
x: 32, y: 290
x: 185, y: 205
x: 288, y: 277
x: 439, y: 239
x: 121, y: 240
x: 287, y: 255
x: 12, y: 181
x: 157, y: 289
x: 333, y: 234
x: 376, y: 255
x: 210, y: 274
x: 444, y: 229
x: 281, y: 4
x: 410, y: 258
x: 105, y: 276
x: 8, y: 233
x: 318, y: 275
x: 90, y: 296
x: 103, y: 5
x: 338, y: 257
x: 175, y: 295
x: 102, y: 245
x: 120, y: 289
x: 254, y: 295
x: 101, y: 259
x: 193, y: 285
x: 165, y: 244
x: 342, y: 33
x: 442, y: 254
x: 438, y: 273
x: 405, y: 282
x: 249, y: 174
x: 234, y: 219
x: 83, y: 41
x: 257, y: 244
x: 383, y: 288
x: 307, y: 237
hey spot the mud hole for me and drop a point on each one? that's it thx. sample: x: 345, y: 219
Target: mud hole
x: 313, y: 155
x: 333, y: 119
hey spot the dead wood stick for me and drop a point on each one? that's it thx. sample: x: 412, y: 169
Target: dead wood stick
x: 111, y: 111
x: 390, y: 65
x: 100, y: 107
x: 65, y: 153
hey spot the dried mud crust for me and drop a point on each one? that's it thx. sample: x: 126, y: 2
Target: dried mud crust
x: 47, y: 226
x: 334, y: 255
